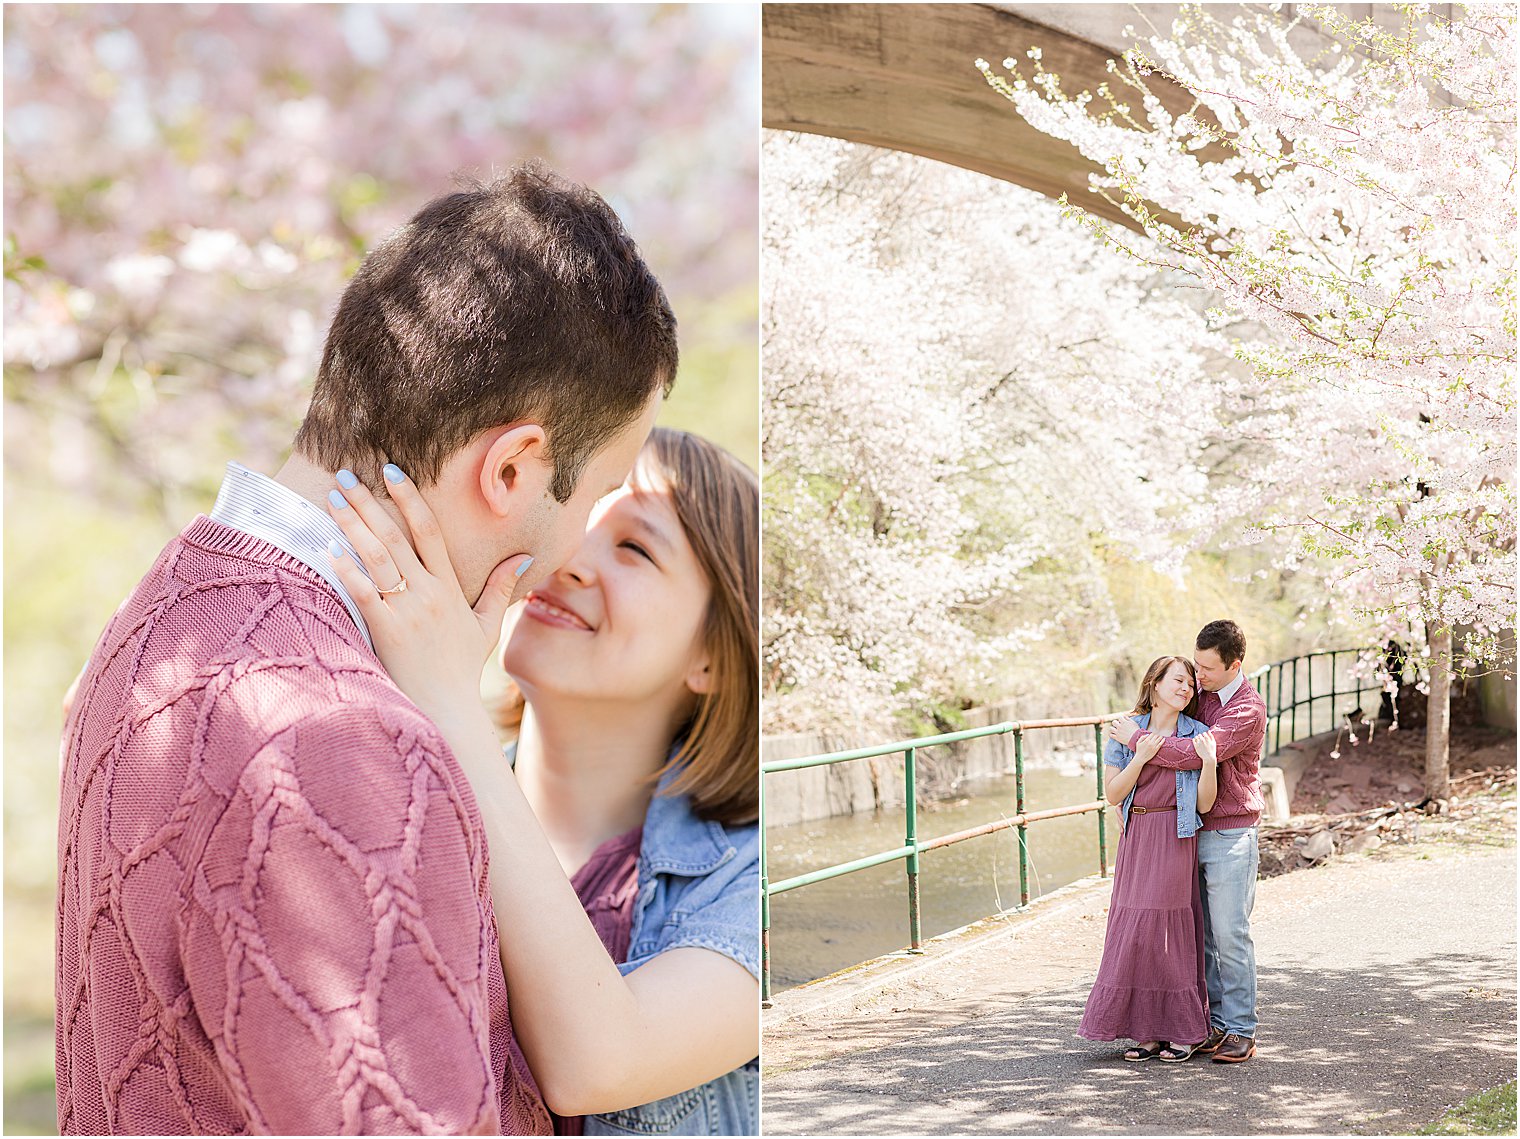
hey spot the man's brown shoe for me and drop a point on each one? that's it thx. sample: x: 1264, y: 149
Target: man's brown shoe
x: 1210, y: 1042
x: 1234, y: 1049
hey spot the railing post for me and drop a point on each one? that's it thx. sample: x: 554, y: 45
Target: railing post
x: 1334, y: 723
x: 1018, y: 774
x: 1102, y: 811
x: 910, y: 839
x: 1309, y: 683
x: 1271, y: 715
x: 1268, y: 687
x: 765, y: 910
x: 1282, y: 701
x: 1280, y: 706
x: 1293, y: 708
x: 1266, y: 699
x: 1274, y: 709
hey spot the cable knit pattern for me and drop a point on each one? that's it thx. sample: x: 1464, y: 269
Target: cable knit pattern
x: 273, y: 905
x: 1240, y: 728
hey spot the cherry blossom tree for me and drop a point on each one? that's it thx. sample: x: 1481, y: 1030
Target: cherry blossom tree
x: 187, y: 188
x: 1348, y: 188
x: 941, y: 350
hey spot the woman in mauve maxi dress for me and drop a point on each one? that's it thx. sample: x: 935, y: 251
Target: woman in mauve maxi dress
x: 1150, y: 985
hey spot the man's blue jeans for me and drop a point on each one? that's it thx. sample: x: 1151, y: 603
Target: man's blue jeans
x: 1227, y: 880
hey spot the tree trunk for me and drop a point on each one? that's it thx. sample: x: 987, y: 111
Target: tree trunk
x: 1438, y: 717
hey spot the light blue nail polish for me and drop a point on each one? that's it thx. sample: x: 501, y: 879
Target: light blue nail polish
x: 393, y: 473
x: 334, y: 549
x: 347, y: 480
x: 336, y: 498
x: 522, y: 569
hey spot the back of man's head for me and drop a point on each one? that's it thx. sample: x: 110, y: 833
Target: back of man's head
x: 1225, y: 638
x: 521, y: 299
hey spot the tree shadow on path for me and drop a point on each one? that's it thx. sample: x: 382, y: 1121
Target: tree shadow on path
x: 1360, y: 1049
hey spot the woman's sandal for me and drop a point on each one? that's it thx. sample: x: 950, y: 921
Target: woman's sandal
x: 1176, y: 1053
x: 1137, y: 1053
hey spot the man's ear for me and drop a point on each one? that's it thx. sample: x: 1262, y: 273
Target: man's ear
x: 515, y: 471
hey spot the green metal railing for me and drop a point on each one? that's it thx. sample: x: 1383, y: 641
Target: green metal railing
x: 1269, y: 680
x: 1279, y: 685
x: 912, y: 847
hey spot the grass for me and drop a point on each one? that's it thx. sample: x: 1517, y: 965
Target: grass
x: 1487, y: 1113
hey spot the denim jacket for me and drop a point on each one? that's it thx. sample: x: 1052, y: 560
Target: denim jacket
x: 699, y: 885
x: 1117, y: 755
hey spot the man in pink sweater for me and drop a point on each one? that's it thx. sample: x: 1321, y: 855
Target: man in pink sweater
x: 1227, y: 845
x: 273, y: 910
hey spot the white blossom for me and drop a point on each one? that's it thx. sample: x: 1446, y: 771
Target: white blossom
x: 138, y: 276
x: 1358, y: 225
x: 944, y: 358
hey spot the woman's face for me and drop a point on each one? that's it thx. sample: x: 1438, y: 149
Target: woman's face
x: 622, y: 619
x: 1175, y: 688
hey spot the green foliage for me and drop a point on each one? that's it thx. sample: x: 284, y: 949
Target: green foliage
x: 716, y: 393
x: 933, y: 720
x: 17, y: 266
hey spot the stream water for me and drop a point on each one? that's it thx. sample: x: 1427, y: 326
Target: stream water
x: 818, y: 929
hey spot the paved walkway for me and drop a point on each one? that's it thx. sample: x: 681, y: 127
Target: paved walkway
x: 1386, y: 988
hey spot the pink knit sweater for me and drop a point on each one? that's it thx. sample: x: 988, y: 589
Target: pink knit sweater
x: 1239, y: 730
x: 273, y: 909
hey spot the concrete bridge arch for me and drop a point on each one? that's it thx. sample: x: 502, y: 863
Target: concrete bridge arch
x: 902, y: 76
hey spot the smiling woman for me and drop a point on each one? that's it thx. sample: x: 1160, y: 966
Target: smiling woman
x: 632, y: 599
x: 1150, y: 985
x: 206, y: 208
x: 624, y: 852
x: 667, y: 569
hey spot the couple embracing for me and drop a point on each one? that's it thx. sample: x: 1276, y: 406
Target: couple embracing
x: 301, y: 887
x: 1178, y: 974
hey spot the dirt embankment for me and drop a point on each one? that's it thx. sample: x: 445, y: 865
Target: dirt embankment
x: 1365, y: 791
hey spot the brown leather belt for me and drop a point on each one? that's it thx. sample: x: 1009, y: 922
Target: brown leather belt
x: 1148, y: 810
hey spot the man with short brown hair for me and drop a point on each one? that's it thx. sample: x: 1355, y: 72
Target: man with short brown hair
x: 515, y: 318
x: 1227, y: 845
x: 273, y: 906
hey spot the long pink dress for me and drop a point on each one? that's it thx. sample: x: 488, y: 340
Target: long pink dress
x: 1150, y: 984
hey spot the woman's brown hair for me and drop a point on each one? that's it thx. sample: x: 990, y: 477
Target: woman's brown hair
x: 1153, y: 676
x: 717, y: 500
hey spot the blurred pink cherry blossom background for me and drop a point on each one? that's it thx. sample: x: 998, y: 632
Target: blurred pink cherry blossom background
x: 187, y: 188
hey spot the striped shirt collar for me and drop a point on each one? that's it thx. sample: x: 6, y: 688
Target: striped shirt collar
x: 265, y: 509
